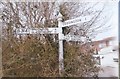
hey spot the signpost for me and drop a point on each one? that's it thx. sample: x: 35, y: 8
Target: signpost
x: 76, y: 21
x: 74, y: 38
x: 38, y: 31
x: 58, y: 31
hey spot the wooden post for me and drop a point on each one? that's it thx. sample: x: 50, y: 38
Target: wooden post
x: 61, y: 62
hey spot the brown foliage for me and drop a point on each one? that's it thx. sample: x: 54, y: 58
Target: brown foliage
x: 79, y: 63
x: 32, y: 57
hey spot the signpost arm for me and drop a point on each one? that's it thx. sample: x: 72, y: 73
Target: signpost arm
x: 61, y: 62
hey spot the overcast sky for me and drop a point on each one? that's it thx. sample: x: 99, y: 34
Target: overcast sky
x: 113, y: 31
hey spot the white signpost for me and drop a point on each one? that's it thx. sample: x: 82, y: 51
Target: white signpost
x: 74, y: 38
x: 58, y: 31
x: 75, y: 21
x: 37, y: 31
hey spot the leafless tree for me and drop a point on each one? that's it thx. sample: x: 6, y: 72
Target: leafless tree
x: 21, y: 54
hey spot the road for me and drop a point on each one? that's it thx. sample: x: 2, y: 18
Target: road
x: 110, y: 68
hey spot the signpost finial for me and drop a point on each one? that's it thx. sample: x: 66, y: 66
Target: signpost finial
x: 60, y: 16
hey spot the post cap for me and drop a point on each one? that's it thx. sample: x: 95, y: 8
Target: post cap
x: 59, y: 16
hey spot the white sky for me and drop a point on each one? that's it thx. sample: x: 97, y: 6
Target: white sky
x: 114, y: 23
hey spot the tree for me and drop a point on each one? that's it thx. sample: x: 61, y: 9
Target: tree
x: 78, y: 56
x: 36, y: 55
x: 24, y: 51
